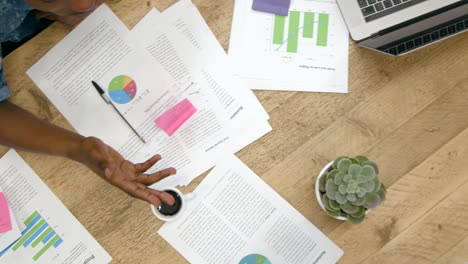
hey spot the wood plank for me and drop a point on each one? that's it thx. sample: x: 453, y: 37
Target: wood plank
x: 433, y: 234
x: 457, y: 254
x: 409, y: 199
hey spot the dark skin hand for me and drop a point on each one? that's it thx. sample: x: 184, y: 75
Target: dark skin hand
x: 129, y: 177
x: 21, y: 130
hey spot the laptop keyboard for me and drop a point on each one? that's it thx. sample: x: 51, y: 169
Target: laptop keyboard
x: 426, y: 37
x: 373, y: 9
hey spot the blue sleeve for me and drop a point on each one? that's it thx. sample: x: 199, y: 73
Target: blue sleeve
x: 4, y: 90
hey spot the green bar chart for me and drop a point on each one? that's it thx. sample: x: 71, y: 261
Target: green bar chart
x: 322, y: 34
x: 37, y: 232
x: 288, y: 31
x: 278, y: 33
x: 308, y: 31
x: 293, y: 32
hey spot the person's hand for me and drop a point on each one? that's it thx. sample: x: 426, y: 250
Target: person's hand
x: 129, y: 177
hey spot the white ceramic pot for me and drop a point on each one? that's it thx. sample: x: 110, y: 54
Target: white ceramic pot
x: 323, y: 172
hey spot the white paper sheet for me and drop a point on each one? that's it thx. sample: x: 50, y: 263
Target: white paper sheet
x: 182, y: 29
x: 266, y: 57
x: 187, y: 21
x: 235, y: 214
x: 101, y: 48
x: 32, y: 202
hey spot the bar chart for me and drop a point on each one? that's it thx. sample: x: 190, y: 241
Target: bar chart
x: 38, y: 235
x: 287, y: 31
x: 307, y: 49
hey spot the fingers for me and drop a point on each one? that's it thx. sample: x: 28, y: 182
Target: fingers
x: 155, y: 177
x: 151, y: 196
x: 163, y: 196
x: 142, y: 167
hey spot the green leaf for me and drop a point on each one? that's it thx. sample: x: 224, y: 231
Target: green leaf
x: 335, y: 213
x: 347, y: 178
x: 377, y: 183
x: 335, y: 162
x: 354, y: 170
x: 361, y: 192
x: 361, y: 159
x: 360, y: 213
x: 368, y: 171
x: 344, y: 164
x: 371, y: 200
x: 349, y: 208
x: 326, y: 202
x: 359, y: 201
x: 332, y: 173
x: 354, y: 220
x: 334, y: 205
x: 354, y: 161
x: 351, y: 197
x: 373, y: 164
x: 382, y: 193
x: 370, y: 186
x: 339, y: 178
x: 342, y: 189
x: 340, y: 198
x: 331, y: 189
x: 361, y: 179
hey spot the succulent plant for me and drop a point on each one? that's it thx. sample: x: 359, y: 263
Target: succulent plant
x: 350, y: 187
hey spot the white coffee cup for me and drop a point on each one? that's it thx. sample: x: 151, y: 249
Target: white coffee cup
x: 183, y: 201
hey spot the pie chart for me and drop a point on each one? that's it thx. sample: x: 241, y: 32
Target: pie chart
x: 122, y: 89
x: 254, y: 259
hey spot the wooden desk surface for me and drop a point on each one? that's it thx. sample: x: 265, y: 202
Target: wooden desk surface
x: 410, y: 114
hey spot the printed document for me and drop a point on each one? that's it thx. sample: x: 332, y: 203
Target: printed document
x: 304, y: 51
x: 144, y: 83
x: 102, y: 49
x: 180, y: 41
x: 236, y: 217
x: 187, y: 21
x: 50, y: 233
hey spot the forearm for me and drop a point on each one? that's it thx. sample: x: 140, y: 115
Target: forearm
x: 22, y: 130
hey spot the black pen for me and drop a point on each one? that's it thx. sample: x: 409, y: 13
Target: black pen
x: 108, y: 101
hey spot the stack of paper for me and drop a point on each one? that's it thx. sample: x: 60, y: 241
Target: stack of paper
x: 45, y: 232
x: 235, y: 217
x: 304, y: 51
x: 167, y: 59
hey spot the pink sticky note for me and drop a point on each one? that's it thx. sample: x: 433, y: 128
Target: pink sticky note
x: 5, y: 218
x: 173, y: 118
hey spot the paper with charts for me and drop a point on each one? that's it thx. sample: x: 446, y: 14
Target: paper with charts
x: 49, y: 232
x: 304, y: 51
x: 144, y: 82
x: 235, y: 217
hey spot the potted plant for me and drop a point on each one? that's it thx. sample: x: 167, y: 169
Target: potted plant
x: 348, y: 188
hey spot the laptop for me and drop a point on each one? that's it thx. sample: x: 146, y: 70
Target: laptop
x: 397, y: 27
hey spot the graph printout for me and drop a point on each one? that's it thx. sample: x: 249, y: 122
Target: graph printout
x: 49, y: 232
x: 236, y: 218
x: 306, y: 50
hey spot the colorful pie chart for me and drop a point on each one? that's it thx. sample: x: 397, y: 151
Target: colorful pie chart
x: 122, y: 89
x: 254, y: 259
